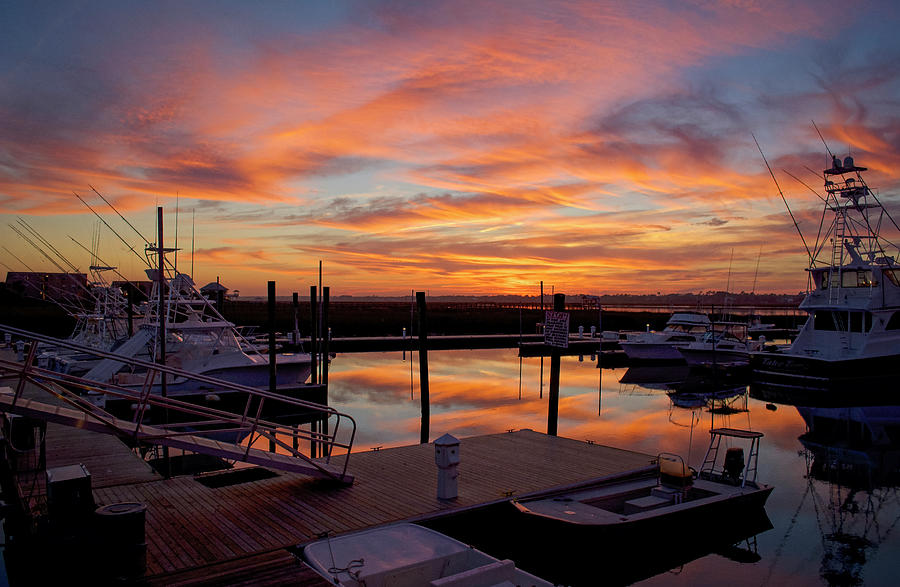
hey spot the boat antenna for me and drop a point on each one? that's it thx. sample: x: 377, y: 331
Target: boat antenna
x: 756, y: 273
x: 827, y: 150
x: 783, y: 199
x: 193, y: 229
x: 177, y: 199
x: 820, y: 242
x: 725, y: 302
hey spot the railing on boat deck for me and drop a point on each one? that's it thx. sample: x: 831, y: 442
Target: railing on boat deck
x: 192, y: 421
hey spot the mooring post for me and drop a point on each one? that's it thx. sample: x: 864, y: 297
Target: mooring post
x: 313, y: 335
x: 296, y: 332
x: 423, y: 367
x: 273, y: 375
x: 322, y: 426
x: 559, y: 305
x: 313, y: 357
x: 162, y: 311
x: 326, y: 291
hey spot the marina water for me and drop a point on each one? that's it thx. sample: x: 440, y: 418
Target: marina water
x: 829, y: 526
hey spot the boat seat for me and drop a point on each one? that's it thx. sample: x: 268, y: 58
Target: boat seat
x: 489, y: 575
x: 642, y: 504
x: 673, y: 494
x: 674, y: 473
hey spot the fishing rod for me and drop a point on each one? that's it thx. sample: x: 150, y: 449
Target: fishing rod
x: 820, y: 240
x: 68, y: 307
x: 105, y: 265
x: 146, y: 242
x: 130, y: 248
x: 783, y: 199
x: 47, y: 244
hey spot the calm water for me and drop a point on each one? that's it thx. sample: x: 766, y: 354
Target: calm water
x: 824, y: 532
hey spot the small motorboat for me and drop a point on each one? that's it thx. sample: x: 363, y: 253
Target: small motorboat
x: 724, y: 489
x: 408, y: 555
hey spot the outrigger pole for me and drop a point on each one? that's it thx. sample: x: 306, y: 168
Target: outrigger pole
x: 783, y: 199
x: 112, y: 229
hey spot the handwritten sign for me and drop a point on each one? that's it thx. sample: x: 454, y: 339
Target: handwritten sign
x: 556, y: 329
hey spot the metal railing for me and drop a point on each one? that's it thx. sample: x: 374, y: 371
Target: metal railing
x: 257, y: 416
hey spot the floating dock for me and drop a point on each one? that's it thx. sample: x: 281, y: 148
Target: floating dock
x: 530, y: 344
x: 207, y: 529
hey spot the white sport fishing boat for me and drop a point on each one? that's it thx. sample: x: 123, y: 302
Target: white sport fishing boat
x: 681, y: 329
x: 853, y: 301
x: 198, y: 340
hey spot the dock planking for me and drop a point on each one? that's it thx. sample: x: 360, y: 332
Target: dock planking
x: 191, y: 525
x: 201, y: 535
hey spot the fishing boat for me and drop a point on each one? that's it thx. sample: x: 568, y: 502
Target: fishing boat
x: 724, y: 344
x: 408, y: 555
x: 725, y: 489
x: 199, y: 340
x: 852, y: 332
x: 680, y: 330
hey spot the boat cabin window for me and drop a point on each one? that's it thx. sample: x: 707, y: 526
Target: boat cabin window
x: 892, y: 275
x: 849, y: 278
x: 894, y: 322
x: 845, y: 321
x: 860, y: 321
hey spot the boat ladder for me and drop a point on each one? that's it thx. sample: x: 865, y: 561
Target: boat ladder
x: 837, y: 252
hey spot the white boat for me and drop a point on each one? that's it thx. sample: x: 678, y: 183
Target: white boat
x: 724, y: 489
x: 853, y: 302
x: 408, y: 555
x: 680, y: 330
x: 199, y: 340
x: 724, y: 344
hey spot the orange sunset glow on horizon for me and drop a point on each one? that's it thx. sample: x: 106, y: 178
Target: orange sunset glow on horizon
x: 457, y: 147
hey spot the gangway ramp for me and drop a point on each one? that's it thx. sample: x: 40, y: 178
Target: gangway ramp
x: 76, y: 401
x: 153, y: 435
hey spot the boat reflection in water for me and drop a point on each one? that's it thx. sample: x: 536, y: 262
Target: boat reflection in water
x: 855, y: 453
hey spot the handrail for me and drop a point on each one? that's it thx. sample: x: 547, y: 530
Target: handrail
x: 66, y: 387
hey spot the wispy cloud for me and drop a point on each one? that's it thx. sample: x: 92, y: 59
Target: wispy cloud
x: 476, y: 147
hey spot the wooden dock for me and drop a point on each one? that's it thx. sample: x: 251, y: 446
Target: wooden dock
x: 238, y: 534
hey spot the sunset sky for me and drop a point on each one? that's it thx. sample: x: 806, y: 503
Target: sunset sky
x: 457, y: 147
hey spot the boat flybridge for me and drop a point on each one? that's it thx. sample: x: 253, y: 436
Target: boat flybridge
x: 853, y: 298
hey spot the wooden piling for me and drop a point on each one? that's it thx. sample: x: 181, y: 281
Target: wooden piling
x: 423, y: 368
x: 559, y: 305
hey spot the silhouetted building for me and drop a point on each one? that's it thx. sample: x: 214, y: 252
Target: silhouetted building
x: 47, y: 285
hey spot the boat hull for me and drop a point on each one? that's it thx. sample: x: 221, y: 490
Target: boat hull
x: 663, y: 520
x: 807, y: 373
x: 708, y: 357
x: 640, y: 351
x: 569, y: 554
